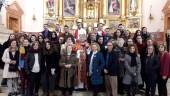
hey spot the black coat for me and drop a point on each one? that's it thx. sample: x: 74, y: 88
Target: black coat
x: 112, y: 63
x: 50, y: 60
x: 1, y: 53
x: 31, y: 60
x: 152, y: 66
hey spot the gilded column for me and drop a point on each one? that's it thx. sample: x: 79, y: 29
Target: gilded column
x: 60, y: 6
x: 84, y: 8
x: 77, y: 8
x: 123, y: 7
x: 104, y: 6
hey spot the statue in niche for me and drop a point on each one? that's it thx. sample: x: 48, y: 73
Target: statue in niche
x: 133, y: 7
x: 1, y: 4
x: 91, y: 12
x: 50, y: 6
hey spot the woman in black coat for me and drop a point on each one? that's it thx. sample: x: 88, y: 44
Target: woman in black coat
x: 34, y: 69
x: 50, y: 67
x: 151, y: 71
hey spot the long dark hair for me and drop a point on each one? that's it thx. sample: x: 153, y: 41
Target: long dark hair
x: 32, y: 50
x: 48, y: 51
x: 56, y: 39
x: 115, y: 36
x: 136, y: 49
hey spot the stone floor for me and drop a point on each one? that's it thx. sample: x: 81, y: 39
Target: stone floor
x: 4, y: 90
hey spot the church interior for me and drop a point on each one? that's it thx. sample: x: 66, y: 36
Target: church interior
x: 30, y: 17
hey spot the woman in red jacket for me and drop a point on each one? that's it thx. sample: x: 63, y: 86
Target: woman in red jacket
x: 164, y: 70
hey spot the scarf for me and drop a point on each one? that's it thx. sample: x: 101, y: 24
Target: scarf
x: 34, y: 51
x: 48, y: 51
x: 133, y: 59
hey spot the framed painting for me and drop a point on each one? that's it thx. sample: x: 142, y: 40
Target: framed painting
x: 113, y: 24
x: 133, y: 7
x: 70, y: 23
x: 69, y: 8
x: 50, y: 8
x: 134, y: 24
x: 114, y: 7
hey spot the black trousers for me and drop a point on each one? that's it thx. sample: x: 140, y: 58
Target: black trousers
x: 162, y: 88
x: 48, y: 82
x: 120, y: 85
x: 33, y: 83
x: 67, y: 91
x: 129, y: 90
x: 143, y: 80
x: 150, y: 85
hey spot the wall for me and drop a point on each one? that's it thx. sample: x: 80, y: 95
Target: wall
x: 33, y: 7
x: 157, y: 24
x: 36, y: 6
x: 29, y: 8
x: 3, y: 10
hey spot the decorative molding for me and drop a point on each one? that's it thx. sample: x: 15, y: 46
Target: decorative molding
x: 13, y: 17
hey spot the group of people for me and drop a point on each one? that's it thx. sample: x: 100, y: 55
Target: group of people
x: 98, y: 61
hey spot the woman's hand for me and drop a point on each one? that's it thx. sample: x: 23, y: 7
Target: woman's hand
x: 164, y: 77
x: 105, y: 71
x: 68, y: 66
x: 53, y: 71
x: 13, y: 62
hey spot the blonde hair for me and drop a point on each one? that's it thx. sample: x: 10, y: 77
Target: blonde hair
x: 162, y: 44
x: 97, y: 45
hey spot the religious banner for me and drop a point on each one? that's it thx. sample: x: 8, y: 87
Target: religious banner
x: 50, y: 6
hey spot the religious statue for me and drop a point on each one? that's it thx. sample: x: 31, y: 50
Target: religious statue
x: 133, y: 7
x: 91, y: 13
x: 1, y: 4
x: 50, y: 6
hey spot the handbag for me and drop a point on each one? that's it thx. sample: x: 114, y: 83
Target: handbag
x: 13, y: 67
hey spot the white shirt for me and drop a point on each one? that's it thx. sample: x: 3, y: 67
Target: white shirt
x: 82, y: 34
x: 36, y: 66
x: 99, y: 33
x: 91, y: 62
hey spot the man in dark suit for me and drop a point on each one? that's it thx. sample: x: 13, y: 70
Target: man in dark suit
x: 46, y: 33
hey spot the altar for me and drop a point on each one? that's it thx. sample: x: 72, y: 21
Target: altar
x: 90, y: 12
